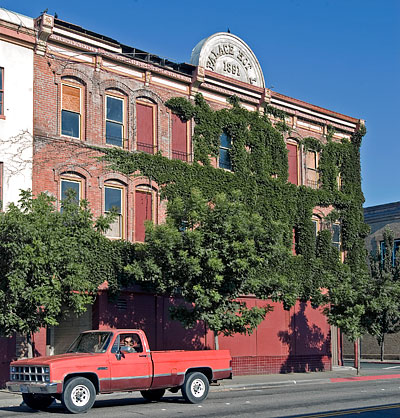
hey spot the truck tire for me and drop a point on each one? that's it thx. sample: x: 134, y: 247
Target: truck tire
x: 153, y: 394
x: 37, y: 401
x: 78, y: 395
x: 195, y: 387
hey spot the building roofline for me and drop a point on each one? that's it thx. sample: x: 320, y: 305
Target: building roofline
x: 316, y: 108
x: 190, y: 70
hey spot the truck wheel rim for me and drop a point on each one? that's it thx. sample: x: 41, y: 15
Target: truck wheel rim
x: 198, y: 388
x: 80, y: 395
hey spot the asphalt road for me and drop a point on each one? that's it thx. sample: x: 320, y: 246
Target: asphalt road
x: 350, y: 399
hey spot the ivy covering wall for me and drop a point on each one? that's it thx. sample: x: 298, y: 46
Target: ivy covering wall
x: 260, y: 171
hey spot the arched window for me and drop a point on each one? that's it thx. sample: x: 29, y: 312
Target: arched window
x: 293, y: 162
x: 71, y: 109
x: 115, y: 119
x: 146, y: 132
x: 71, y: 181
x: 145, y: 210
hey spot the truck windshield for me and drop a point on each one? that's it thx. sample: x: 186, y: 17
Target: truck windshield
x: 91, y: 342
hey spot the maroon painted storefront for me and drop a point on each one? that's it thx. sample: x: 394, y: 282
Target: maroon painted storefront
x: 296, y: 340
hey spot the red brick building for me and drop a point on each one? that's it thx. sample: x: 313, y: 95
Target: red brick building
x: 92, y: 90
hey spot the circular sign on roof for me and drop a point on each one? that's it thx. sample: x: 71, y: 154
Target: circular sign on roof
x: 228, y: 55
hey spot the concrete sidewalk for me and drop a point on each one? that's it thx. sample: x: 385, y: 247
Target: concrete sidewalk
x: 337, y: 374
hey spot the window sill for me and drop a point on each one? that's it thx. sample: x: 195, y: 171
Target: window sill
x: 2, y: 116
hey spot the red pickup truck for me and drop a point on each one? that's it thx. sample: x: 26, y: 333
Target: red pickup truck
x: 115, y: 361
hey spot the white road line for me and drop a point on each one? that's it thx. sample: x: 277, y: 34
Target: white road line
x: 391, y: 367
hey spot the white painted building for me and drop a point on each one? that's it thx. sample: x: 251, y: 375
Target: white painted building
x: 17, y: 43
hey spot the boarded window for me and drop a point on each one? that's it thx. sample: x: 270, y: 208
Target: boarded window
x: 145, y: 127
x: 179, y: 138
x: 143, y: 212
x: 293, y: 163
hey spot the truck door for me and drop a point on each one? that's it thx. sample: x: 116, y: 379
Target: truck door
x: 130, y: 365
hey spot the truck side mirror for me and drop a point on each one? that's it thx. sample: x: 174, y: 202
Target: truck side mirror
x: 119, y: 354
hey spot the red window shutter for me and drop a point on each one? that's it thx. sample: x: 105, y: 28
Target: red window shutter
x: 179, y: 138
x: 145, y: 127
x: 143, y: 212
x: 293, y: 163
x: 71, y: 98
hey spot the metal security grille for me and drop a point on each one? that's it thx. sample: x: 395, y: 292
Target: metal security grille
x: 30, y: 373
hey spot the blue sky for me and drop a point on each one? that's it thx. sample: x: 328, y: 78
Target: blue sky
x: 343, y: 55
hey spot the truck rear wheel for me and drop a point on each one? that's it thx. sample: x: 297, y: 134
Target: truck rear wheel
x: 153, y: 394
x: 78, y: 395
x: 37, y: 401
x: 195, y: 387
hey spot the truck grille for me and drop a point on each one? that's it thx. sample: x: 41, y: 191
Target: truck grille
x: 30, y: 373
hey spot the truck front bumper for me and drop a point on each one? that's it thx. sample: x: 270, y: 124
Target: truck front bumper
x: 30, y: 387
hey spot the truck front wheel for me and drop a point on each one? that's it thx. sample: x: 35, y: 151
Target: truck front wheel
x: 152, y: 394
x: 37, y: 401
x: 195, y: 387
x: 79, y: 395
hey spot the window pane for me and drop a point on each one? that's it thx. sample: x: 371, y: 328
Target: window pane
x: 1, y: 78
x: 70, y: 185
x: 115, y: 228
x: 70, y: 123
x: 114, y: 109
x: 1, y: 103
x: 225, y: 159
x: 113, y: 133
x: 336, y: 233
x: 315, y: 224
x: 225, y: 141
x: 113, y: 199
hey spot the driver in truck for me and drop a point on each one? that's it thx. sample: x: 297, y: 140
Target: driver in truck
x: 131, y: 343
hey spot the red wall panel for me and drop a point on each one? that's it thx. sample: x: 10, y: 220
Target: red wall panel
x: 143, y: 212
x: 238, y: 344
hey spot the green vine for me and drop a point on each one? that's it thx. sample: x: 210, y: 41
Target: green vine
x: 260, y: 172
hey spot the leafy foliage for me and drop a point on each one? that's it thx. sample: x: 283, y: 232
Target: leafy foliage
x: 211, y: 253
x: 260, y: 174
x: 383, y: 308
x: 51, y: 262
